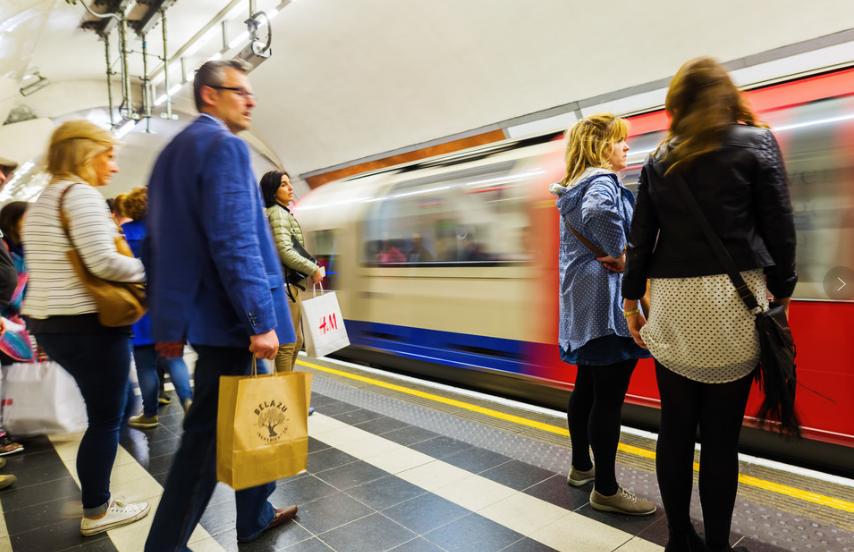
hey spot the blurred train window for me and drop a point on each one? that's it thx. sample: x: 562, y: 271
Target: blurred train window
x: 641, y: 146
x: 817, y: 140
x: 322, y: 246
x: 471, y: 217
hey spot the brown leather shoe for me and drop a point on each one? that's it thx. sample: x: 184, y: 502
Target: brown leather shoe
x: 281, y: 516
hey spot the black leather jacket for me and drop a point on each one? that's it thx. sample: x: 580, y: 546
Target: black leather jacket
x: 743, y: 192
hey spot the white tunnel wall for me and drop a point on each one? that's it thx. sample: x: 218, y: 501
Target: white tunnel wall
x: 351, y: 79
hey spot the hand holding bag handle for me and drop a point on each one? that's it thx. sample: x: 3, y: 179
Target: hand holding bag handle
x: 777, y: 371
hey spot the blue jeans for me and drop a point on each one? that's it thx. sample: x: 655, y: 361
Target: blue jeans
x: 146, y: 360
x: 100, y: 364
x: 192, y: 478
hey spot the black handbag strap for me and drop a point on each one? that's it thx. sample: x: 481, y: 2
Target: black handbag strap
x: 717, y: 245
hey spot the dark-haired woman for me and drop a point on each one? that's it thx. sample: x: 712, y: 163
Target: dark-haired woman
x: 699, y: 331
x: 278, y: 193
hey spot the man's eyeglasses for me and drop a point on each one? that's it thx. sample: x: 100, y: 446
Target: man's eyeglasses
x: 239, y: 90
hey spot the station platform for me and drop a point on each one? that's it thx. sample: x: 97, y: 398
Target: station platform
x: 401, y: 464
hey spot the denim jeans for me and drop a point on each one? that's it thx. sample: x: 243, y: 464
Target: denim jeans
x: 147, y: 360
x: 192, y: 477
x: 100, y: 364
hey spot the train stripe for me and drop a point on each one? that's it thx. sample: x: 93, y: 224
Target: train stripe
x: 748, y: 480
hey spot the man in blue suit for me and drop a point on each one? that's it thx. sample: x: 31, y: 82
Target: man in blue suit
x: 215, y: 281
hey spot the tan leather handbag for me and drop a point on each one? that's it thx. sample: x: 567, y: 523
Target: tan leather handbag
x: 119, y: 303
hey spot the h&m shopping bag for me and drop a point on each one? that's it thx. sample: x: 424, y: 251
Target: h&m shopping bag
x: 262, y: 427
x: 41, y: 399
x: 323, y: 325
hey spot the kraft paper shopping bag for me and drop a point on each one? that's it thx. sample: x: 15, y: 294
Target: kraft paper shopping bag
x: 262, y: 428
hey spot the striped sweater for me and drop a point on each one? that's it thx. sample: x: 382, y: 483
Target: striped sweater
x: 54, y: 288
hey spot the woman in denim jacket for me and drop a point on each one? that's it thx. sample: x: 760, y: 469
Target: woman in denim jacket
x: 596, y: 211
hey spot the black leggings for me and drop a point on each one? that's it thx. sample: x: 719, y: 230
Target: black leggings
x: 718, y: 410
x: 594, y: 412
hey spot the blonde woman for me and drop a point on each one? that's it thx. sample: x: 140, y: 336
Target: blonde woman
x: 595, y: 213
x: 63, y: 315
x: 701, y: 335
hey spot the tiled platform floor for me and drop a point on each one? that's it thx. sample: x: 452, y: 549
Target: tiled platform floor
x: 375, y: 482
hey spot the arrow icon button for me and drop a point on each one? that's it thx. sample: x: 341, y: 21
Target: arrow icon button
x: 836, y: 283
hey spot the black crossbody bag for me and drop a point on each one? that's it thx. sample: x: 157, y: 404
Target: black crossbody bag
x: 776, y: 375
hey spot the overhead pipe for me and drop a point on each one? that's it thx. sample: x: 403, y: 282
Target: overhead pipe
x: 127, y: 99
x: 146, y: 86
x: 165, y: 59
x: 109, y: 70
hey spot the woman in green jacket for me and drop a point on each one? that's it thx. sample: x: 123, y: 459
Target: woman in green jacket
x: 278, y: 192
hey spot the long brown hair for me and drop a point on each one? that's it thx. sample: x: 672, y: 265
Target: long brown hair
x: 589, y: 143
x: 702, y: 102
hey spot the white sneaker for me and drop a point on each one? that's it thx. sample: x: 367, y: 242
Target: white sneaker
x: 118, y: 514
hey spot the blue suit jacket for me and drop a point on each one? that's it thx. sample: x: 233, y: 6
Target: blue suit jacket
x: 213, y: 270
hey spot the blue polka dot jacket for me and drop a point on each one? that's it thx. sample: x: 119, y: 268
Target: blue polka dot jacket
x: 599, y: 207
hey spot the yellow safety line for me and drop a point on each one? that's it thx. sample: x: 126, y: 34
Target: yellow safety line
x: 749, y: 480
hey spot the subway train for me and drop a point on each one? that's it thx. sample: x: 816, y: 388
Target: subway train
x: 447, y: 267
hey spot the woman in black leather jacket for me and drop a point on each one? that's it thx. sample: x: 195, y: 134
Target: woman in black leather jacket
x: 700, y: 333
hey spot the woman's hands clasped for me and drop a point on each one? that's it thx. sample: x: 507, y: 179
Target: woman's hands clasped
x: 614, y: 264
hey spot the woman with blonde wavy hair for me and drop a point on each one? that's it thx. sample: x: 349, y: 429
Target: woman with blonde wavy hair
x: 595, y: 213
x: 63, y: 315
x: 701, y: 334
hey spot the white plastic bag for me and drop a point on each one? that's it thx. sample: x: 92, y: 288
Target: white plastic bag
x: 41, y: 399
x: 323, y: 325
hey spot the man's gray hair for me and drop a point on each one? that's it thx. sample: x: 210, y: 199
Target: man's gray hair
x: 212, y: 73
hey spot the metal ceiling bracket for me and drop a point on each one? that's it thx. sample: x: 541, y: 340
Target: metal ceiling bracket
x: 126, y: 107
x: 260, y: 48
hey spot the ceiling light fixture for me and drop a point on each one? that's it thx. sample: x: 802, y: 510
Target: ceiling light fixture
x: 194, y: 47
x: 126, y: 127
x: 233, y: 12
x: 239, y: 39
x: 34, y: 86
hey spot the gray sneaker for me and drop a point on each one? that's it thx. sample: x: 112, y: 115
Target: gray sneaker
x: 623, y: 502
x: 577, y: 478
